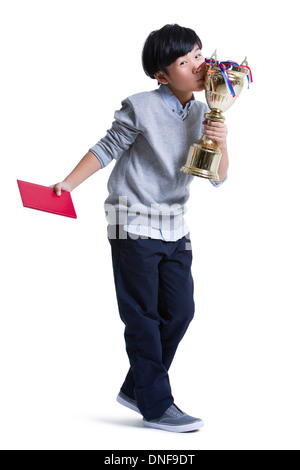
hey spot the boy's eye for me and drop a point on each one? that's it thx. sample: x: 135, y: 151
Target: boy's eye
x: 183, y: 62
x: 198, y: 56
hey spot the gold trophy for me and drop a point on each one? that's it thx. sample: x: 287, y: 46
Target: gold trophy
x: 224, y: 83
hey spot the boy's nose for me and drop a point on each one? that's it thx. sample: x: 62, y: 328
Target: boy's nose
x: 197, y: 66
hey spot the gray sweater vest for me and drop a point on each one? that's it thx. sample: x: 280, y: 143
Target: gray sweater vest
x: 150, y: 144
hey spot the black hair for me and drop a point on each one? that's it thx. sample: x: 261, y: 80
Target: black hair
x: 164, y: 46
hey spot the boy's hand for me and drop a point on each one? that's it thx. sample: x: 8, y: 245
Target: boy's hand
x: 216, y: 131
x: 59, y: 187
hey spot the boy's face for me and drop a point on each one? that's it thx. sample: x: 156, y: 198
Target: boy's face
x: 183, y: 76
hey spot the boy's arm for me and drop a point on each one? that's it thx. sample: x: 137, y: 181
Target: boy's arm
x: 224, y: 163
x: 120, y: 137
x: 218, y: 131
x: 85, y: 168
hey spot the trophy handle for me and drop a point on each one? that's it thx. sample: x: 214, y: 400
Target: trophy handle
x: 214, y: 55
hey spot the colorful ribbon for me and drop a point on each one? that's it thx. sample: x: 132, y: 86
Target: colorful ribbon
x: 224, y: 67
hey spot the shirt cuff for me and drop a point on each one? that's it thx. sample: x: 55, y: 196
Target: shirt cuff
x: 216, y: 185
x: 98, y: 156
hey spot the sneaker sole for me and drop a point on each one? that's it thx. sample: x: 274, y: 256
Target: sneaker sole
x: 127, y: 404
x: 183, y: 428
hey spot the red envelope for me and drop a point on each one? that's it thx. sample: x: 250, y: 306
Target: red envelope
x: 44, y: 199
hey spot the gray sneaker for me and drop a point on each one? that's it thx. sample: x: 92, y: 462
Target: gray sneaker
x: 128, y: 402
x: 174, y: 420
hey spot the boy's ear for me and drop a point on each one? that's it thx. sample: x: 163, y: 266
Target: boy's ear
x: 161, y: 77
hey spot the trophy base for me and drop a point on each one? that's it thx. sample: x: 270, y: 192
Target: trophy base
x: 203, y: 160
x: 192, y: 170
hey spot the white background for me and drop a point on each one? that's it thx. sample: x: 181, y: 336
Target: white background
x: 65, y: 67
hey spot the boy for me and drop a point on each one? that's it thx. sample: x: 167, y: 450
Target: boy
x: 151, y: 254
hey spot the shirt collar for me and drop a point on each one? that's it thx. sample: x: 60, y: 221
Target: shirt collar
x: 174, y: 103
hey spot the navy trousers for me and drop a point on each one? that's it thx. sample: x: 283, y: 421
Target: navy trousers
x: 154, y: 288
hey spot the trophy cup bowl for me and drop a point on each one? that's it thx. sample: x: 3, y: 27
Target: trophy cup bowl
x: 224, y: 83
